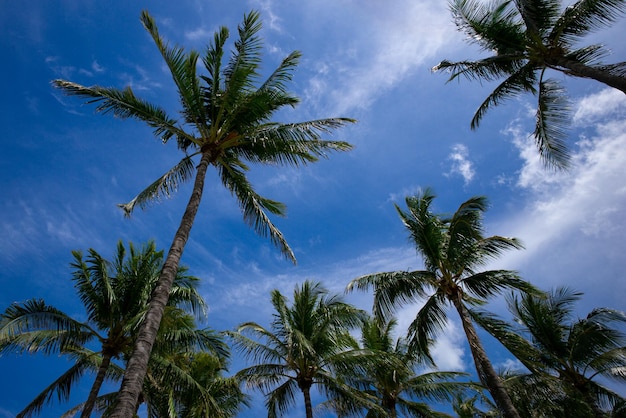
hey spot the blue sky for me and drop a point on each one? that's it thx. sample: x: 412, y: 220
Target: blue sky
x: 64, y: 168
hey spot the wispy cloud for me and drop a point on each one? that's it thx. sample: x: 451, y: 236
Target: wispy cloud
x: 569, y: 216
x: 398, y: 40
x: 461, y: 164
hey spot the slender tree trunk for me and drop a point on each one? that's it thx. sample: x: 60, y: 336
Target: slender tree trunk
x: 136, y: 369
x: 308, y: 407
x: 97, y: 384
x: 579, y: 69
x: 487, y: 375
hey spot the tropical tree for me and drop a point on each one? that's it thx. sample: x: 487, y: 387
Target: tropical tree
x: 115, y: 294
x: 564, y: 355
x: 527, y: 38
x: 452, y: 249
x: 305, y: 346
x: 393, y: 378
x: 225, y: 122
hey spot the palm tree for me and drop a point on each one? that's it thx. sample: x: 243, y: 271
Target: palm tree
x: 305, y: 344
x: 393, y: 380
x: 527, y: 38
x: 226, y: 122
x: 452, y: 249
x: 565, y: 356
x: 213, y: 394
x: 115, y: 294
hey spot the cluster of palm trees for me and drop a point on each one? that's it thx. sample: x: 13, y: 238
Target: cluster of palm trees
x: 143, y: 334
x: 310, y: 343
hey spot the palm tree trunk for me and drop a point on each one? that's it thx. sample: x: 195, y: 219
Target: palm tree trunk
x: 579, y: 69
x: 138, y: 363
x: 487, y: 375
x: 308, y: 407
x: 97, y: 384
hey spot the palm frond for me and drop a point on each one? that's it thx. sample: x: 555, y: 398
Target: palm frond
x: 182, y: 67
x: 486, y: 284
x: 585, y: 16
x: 165, y: 185
x: 124, y: 104
x: 254, y: 206
x: 60, y: 387
x: 34, y: 326
x: 281, y: 399
x: 538, y: 16
x: 522, y: 80
x: 394, y: 289
x: 552, y: 119
x: 293, y: 144
x: 429, y: 321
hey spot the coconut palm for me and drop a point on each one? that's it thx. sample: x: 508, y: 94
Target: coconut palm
x: 169, y: 382
x: 226, y: 123
x: 453, y: 248
x: 564, y: 355
x: 527, y: 38
x: 306, y: 343
x: 115, y: 295
x: 393, y: 378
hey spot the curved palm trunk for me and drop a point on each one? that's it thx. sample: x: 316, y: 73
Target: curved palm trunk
x: 579, y: 69
x: 487, y: 375
x: 97, y: 384
x: 138, y: 363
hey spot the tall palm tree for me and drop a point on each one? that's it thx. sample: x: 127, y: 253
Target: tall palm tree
x: 565, y: 355
x: 452, y: 249
x: 305, y: 344
x: 115, y: 295
x: 527, y: 38
x: 393, y: 379
x: 226, y: 122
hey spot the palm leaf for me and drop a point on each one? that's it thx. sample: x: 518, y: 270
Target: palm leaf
x: 552, y: 119
x: 124, y: 104
x: 522, y: 80
x: 254, y: 207
x: 165, y: 185
x: 182, y: 67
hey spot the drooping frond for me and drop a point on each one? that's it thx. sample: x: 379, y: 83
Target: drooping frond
x: 486, y: 284
x: 124, y: 104
x: 34, y: 326
x: 254, y: 206
x: 523, y: 80
x: 394, y: 289
x: 552, y: 119
x: 429, y: 321
x: 165, y: 185
x: 60, y: 387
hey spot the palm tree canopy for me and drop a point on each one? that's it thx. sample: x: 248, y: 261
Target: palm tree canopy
x: 557, y: 347
x: 226, y: 115
x: 528, y: 37
x: 306, y: 341
x: 392, y: 376
x: 115, y: 295
x: 453, y: 249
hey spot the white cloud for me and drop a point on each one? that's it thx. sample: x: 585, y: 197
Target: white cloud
x: 572, y: 221
x: 199, y: 34
x: 461, y: 164
x: 397, y: 41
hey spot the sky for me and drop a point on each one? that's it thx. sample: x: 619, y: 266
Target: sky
x: 63, y: 168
